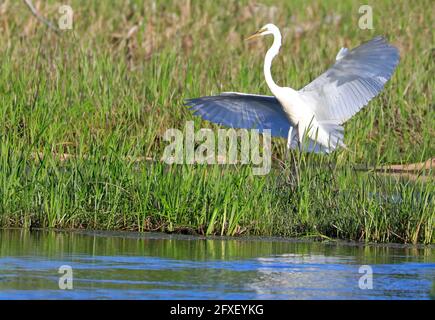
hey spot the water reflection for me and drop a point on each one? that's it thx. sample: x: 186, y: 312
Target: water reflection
x: 156, y: 266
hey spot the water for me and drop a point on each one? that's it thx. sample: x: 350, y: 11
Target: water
x: 157, y: 266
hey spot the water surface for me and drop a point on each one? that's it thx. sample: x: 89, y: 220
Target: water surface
x: 126, y: 265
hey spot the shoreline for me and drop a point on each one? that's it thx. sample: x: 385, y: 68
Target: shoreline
x: 152, y: 235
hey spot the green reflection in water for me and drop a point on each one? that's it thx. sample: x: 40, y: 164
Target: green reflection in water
x: 432, y: 292
x: 94, y: 270
x: 56, y: 244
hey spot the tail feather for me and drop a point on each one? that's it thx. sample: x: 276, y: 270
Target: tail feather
x: 335, y: 132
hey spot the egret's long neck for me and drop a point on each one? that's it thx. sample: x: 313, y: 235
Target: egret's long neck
x: 271, y: 53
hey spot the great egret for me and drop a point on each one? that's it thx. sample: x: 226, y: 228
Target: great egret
x: 311, y: 118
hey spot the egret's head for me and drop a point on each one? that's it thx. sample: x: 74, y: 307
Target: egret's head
x: 264, y: 30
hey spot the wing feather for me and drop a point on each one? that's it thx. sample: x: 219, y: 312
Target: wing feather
x: 357, y: 76
x: 240, y: 110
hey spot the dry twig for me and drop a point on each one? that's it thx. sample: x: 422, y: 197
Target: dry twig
x: 35, y: 12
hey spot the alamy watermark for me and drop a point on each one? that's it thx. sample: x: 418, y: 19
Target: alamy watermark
x: 65, y: 21
x: 202, y: 147
x: 365, y: 282
x: 366, y: 20
x: 66, y: 278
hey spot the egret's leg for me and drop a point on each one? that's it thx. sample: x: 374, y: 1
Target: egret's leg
x: 292, y: 134
x: 289, y: 138
x: 287, y: 156
x: 301, y: 137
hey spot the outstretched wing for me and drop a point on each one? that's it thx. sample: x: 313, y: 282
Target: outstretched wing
x: 240, y: 110
x: 357, y: 76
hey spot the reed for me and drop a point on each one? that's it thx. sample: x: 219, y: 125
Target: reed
x: 106, y: 91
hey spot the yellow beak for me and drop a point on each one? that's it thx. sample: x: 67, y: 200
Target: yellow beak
x: 255, y: 35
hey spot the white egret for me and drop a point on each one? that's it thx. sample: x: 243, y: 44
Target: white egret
x: 311, y: 118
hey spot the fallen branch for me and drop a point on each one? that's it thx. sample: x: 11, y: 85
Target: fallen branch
x: 411, y: 171
x: 38, y: 16
x: 68, y: 156
x: 413, y: 167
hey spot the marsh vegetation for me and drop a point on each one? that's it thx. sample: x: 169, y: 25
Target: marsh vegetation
x: 84, y: 111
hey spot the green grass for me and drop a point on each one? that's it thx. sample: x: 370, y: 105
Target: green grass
x: 107, y: 100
